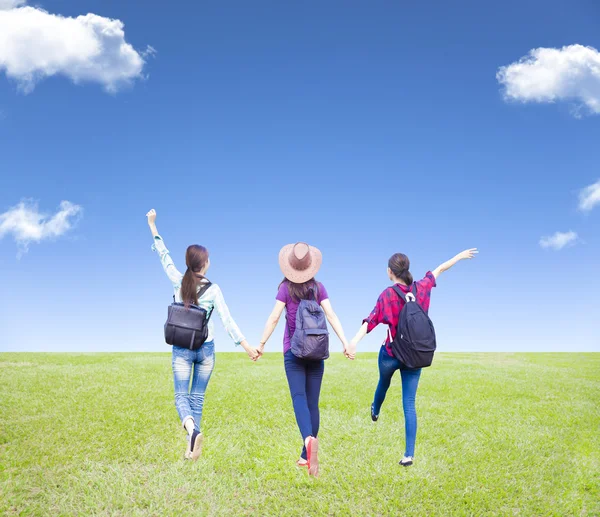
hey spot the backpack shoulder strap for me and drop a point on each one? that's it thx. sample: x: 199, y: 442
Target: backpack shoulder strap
x: 315, y: 290
x: 399, y: 292
x: 414, y: 289
x: 204, y: 289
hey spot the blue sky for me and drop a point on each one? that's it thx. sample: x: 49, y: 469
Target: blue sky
x: 363, y: 128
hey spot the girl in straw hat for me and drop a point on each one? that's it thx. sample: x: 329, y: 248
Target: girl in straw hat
x: 300, y: 263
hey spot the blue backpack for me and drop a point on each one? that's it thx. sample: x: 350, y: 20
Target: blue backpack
x: 414, y: 344
x: 311, y: 337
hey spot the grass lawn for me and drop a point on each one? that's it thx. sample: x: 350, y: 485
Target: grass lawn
x: 499, y: 434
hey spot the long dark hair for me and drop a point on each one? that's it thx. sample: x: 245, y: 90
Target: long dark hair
x: 196, y: 258
x: 400, y: 265
x: 302, y: 291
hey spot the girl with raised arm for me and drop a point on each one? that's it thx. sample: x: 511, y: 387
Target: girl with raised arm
x: 387, y: 311
x: 197, y: 365
x: 299, y: 263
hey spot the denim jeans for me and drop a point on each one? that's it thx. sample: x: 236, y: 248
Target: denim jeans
x: 304, y: 378
x: 410, y: 381
x: 196, y: 365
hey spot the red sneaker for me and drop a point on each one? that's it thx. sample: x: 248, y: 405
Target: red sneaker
x: 312, y: 449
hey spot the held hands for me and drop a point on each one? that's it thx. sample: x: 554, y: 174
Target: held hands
x: 350, y: 350
x: 252, y: 352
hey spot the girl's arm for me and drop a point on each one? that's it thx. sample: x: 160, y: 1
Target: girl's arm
x: 272, y: 322
x: 335, y: 323
x: 165, y: 257
x: 369, y: 324
x: 230, y: 326
x: 362, y: 332
x: 467, y: 254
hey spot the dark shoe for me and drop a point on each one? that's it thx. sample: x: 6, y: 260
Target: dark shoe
x: 374, y: 417
x: 196, y: 445
x: 407, y: 461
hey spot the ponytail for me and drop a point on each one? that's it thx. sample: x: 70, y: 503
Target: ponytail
x: 399, y: 266
x: 195, y: 259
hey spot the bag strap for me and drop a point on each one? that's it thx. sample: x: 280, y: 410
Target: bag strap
x: 204, y: 289
x: 399, y: 292
x: 315, y: 290
x: 200, y: 293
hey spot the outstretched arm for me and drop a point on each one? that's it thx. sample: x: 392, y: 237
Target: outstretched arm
x: 230, y: 325
x: 165, y: 257
x: 271, y: 324
x: 467, y: 254
x: 335, y: 323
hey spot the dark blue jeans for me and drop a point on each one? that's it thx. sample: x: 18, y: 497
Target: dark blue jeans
x: 304, y: 378
x: 410, y: 381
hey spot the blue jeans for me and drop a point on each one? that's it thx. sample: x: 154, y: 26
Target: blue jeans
x: 190, y: 400
x: 304, y: 378
x: 410, y: 381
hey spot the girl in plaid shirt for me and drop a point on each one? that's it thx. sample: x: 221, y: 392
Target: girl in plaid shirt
x: 387, y: 311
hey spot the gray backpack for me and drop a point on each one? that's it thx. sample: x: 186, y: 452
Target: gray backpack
x: 311, y: 337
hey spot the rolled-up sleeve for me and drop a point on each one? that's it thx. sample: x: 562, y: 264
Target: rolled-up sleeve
x: 429, y: 280
x: 374, y: 318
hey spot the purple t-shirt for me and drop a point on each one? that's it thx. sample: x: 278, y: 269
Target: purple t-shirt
x: 291, y: 307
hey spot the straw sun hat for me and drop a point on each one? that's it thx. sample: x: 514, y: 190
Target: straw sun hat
x: 299, y: 262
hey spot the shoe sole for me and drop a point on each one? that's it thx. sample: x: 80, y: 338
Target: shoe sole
x: 197, y: 447
x: 312, y: 453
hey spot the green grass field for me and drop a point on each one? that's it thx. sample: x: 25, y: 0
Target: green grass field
x: 499, y: 434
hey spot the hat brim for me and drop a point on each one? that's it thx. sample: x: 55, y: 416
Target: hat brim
x: 293, y: 275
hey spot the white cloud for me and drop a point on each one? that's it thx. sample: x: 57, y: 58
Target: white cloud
x: 589, y: 197
x: 35, y: 44
x: 27, y: 224
x: 570, y: 73
x: 559, y: 240
x: 9, y: 4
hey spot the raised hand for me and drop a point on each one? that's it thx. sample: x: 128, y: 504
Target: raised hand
x: 468, y: 254
x: 151, y: 215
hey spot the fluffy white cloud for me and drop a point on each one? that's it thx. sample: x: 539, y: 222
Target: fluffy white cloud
x: 27, y: 224
x: 559, y: 240
x: 35, y: 44
x: 9, y: 4
x: 570, y: 73
x: 589, y: 197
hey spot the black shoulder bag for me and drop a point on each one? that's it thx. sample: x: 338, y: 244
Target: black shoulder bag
x: 187, y: 328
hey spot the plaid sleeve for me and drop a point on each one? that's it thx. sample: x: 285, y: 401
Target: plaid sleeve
x: 375, y: 317
x: 428, y: 281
